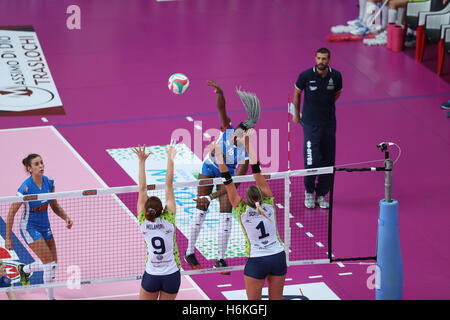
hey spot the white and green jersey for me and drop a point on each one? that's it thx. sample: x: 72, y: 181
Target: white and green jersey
x: 261, y: 234
x: 163, y: 257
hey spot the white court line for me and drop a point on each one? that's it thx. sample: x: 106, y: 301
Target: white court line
x: 345, y: 274
x: 224, y: 285
x: 340, y: 264
x: 129, y: 212
x: 189, y: 119
x: 198, y: 127
x: 320, y: 244
x: 123, y: 295
x: 309, y: 234
x: 315, y: 277
x: 27, y: 128
x: 78, y: 156
x: 44, y: 119
x: 195, y: 285
x: 299, y: 225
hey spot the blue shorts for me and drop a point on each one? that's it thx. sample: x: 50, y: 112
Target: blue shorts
x: 32, y: 233
x: 261, y: 267
x: 210, y: 170
x: 168, y: 283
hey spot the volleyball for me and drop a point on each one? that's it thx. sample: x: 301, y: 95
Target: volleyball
x: 178, y: 83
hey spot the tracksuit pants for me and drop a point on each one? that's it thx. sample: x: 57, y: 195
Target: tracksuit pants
x: 319, y: 150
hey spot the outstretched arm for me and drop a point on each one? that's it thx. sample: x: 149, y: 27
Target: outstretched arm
x: 259, y: 178
x: 224, y: 119
x: 142, y: 198
x: 170, y: 197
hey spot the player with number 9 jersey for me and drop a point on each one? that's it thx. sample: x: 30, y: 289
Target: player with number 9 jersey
x: 162, y: 278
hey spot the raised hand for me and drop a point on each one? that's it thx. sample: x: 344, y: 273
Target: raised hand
x: 171, y: 151
x: 140, y: 152
x: 214, y: 84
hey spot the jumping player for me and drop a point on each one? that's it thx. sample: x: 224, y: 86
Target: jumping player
x: 234, y: 153
x: 266, y: 258
x: 162, y: 277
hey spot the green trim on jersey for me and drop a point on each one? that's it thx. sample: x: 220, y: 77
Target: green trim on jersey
x: 169, y: 217
x: 242, y: 208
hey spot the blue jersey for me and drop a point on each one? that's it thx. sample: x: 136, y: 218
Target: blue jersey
x: 35, y: 212
x: 232, y: 154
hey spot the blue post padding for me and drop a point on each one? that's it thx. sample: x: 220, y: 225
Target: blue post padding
x: 389, y: 276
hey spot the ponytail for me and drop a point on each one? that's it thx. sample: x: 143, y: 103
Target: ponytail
x: 261, y: 211
x: 254, y: 197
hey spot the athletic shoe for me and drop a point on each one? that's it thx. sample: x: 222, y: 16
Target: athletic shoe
x: 360, y: 30
x: 24, y: 277
x: 376, y: 28
x: 379, y: 40
x: 446, y: 105
x: 220, y: 263
x: 354, y: 22
x: 192, y: 261
x: 342, y: 29
x: 309, y: 200
x: 322, y: 202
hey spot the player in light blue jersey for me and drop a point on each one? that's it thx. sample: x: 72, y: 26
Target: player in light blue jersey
x: 266, y: 258
x: 35, y: 225
x: 236, y: 159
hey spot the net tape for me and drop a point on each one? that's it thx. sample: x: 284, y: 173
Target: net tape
x: 105, y: 243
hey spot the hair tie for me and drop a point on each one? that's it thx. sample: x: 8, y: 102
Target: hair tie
x: 257, y: 204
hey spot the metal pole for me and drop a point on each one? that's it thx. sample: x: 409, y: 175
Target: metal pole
x: 388, y: 164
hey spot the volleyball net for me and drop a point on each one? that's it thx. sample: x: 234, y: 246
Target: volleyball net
x: 106, y: 244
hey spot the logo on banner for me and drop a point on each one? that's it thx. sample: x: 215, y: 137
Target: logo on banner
x: 26, y: 84
x: 11, y: 270
x: 17, y: 98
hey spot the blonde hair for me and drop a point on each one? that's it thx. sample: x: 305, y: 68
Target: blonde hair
x: 254, y: 198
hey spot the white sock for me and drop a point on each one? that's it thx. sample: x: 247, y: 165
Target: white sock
x: 33, y: 267
x: 384, y: 17
x: 400, y: 12
x: 371, y: 10
x: 49, y: 277
x: 392, y: 15
x: 362, y: 9
x: 224, y: 232
x: 196, y: 225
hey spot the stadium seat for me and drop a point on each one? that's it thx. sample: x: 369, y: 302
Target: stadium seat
x: 429, y: 27
x: 413, y: 9
x: 443, y: 47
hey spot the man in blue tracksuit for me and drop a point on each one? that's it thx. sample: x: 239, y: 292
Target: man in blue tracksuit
x: 322, y: 87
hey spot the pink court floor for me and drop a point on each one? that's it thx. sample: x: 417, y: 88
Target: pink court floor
x: 111, y: 76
